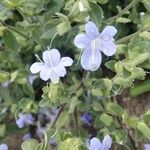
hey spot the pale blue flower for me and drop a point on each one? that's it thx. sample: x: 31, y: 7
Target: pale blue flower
x: 94, y: 43
x: 96, y: 144
x: 25, y: 119
x: 40, y: 131
x: 147, y: 147
x: 31, y: 78
x: 6, y: 84
x: 26, y: 137
x: 87, y: 118
x: 53, y: 66
x: 3, y: 147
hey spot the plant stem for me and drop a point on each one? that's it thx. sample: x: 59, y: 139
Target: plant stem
x: 58, y: 114
x: 76, y: 120
x: 127, y: 37
x: 123, y: 11
x: 13, y: 29
x: 131, y: 35
x: 22, y: 14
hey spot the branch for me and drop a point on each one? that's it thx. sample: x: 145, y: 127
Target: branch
x: 123, y: 11
x: 76, y: 120
x: 58, y: 114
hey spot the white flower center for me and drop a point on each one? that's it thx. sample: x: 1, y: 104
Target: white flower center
x: 50, y: 59
x: 95, y: 44
x: 105, y: 37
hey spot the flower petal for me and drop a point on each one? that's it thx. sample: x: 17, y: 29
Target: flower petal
x: 54, y: 77
x: 60, y: 70
x: 66, y: 61
x: 20, y: 123
x: 51, y: 57
x: 36, y: 67
x: 3, y: 147
x: 81, y: 41
x: 107, y: 141
x: 94, y: 144
x: 108, y: 47
x: 147, y: 146
x: 91, y: 60
x: 109, y: 30
x: 91, y: 30
x: 45, y: 73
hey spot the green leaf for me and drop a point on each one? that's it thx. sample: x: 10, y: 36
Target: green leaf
x: 140, y: 88
x: 63, y: 27
x: 97, y: 92
x: 130, y: 121
x: 146, y: 4
x: 115, y: 109
x: 119, y: 136
x: 4, y: 76
x: 123, y: 20
x: 119, y: 68
x: 108, y: 84
x: 2, y: 29
x: 125, y: 82
x: 27, y: 105
x: 74, y: 102
x: 10, y: 41
x: 97, y: 106
x: 8, y: 3
x: 106, y: 119
x: 145, y: 35
x: 50, y: 29
x: 96, y: 14
x: 31, y: 144
x: 110, y: 64
x: 145, y: 20
x: 55, y: 6
x: 28, y: 89
x: 62, y: 120
x: 144, y: 129
x: 102, y: 1
x: 2, y: 130
x: 70, y: 144
x: 47, y: 136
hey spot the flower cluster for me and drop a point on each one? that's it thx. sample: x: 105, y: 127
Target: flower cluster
x: 25, y: 119
x: 93, y: 44
x: 53, y: 67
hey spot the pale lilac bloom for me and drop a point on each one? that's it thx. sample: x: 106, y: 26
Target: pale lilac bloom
x: 147, y: 146
x: 96, y: 144
x: 53, y: 141
x: 26, y: 137
x: 93, y: 42
x: 31, y: 78
x: 3, y: 147
x: 87, y: 118
x: 25, y: 119
x: 40, y: 131
x: 53, y: 66
x: 6, y: 84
